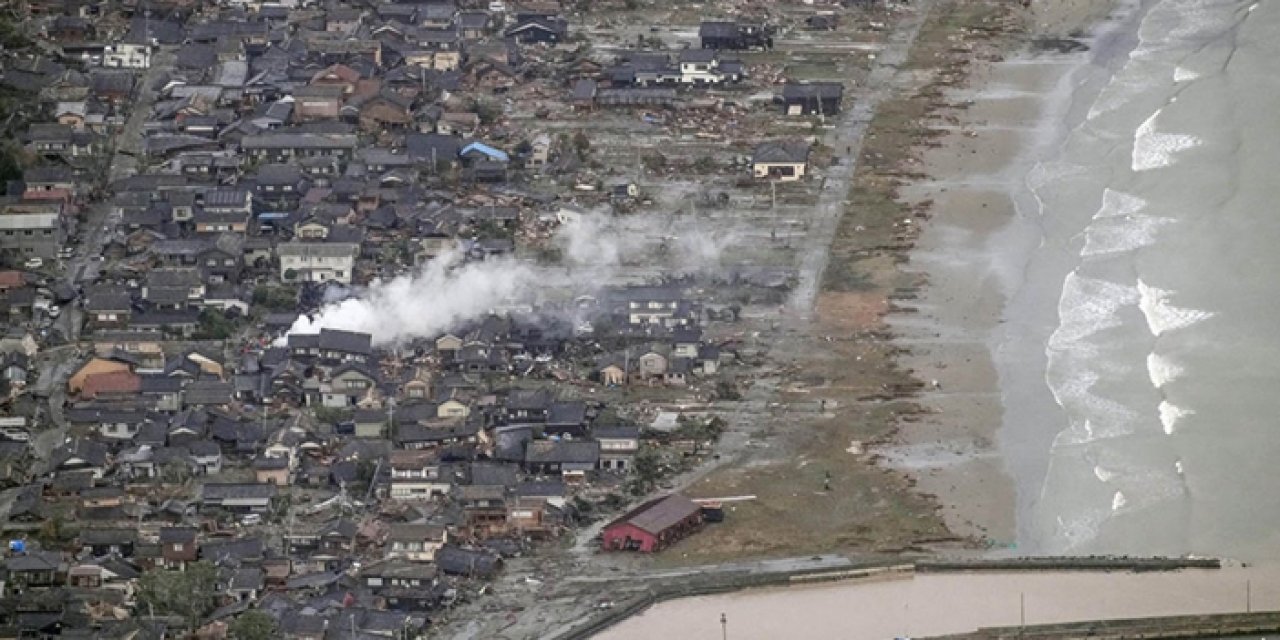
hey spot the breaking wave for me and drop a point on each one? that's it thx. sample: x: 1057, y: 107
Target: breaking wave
x: 1163, y: 317
x: 1161, y: 370
x: 1153, y: 150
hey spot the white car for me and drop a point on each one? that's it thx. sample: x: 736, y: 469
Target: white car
x: 33, y: 263
x: 54, y: 311
x: 15, y: 434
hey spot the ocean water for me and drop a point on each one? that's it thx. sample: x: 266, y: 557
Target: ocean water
x: 1160, y: 214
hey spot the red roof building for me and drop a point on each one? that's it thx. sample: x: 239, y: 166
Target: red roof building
x: 11, y: 280
x: 653, y: 525
x: 116, y: 384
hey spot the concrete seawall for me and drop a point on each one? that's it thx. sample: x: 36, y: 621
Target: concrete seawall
x: 710, y: 583
x: 1208, y: 626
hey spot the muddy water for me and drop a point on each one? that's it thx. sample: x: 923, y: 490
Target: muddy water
x: 932, y: 604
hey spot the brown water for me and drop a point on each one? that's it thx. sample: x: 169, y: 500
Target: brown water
x: 933, y: 604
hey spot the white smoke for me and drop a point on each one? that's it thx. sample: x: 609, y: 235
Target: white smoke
x: 597, y: 241
x: 449, y: 291
x: 426, y: 302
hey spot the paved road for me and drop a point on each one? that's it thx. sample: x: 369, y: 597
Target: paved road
x: 126, y: 147
x: 57, y: 364
x: 848, y: 134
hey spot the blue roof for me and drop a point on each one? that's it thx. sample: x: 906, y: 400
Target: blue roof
x: 273, y: 215
x: 487, y: 150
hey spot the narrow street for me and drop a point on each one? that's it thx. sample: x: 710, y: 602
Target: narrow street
x: 57, y: 364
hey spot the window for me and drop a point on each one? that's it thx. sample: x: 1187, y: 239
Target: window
x: 177, y: 546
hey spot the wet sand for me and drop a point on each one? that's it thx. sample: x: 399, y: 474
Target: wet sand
x: 934, y: 604
x: 972, y: 252
x: 968, y: 253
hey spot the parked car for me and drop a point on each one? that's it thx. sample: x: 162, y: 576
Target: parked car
x: 33, y: 263
x: 16, y: 434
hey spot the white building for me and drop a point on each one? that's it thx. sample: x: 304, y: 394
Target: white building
x: 317, y: 261
x: 127, y: 55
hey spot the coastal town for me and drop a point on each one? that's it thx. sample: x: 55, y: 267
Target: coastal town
x: 410, y: 319
x: 195, y: 444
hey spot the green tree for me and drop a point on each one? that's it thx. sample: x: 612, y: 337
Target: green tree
x: 188, y: 593
x: 488, y: 112
x: 275, y: 298
x: 252, y: 625
x: 214, y: 325
x: 646, y: 470
x: 175, y: 472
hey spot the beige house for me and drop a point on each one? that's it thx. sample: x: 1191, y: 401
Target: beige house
x: 415, y: 475
x: 651, y: 364
x: 416, y: 542
x: 613, y: 374
x: 452, y: 408
x: 540, y: 151
x: 459, y: 123
x: 785, y: 161
x: 317, y: 102
x: 618, y: 446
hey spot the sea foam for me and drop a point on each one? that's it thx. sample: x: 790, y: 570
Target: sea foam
x: 1161, y: 370
x: 1087, y: 306
x: 1118, y: 501
x: 1163, y: 317
x: 1118, y: 204
x: 1170, y: 414
x: 1153, y: 150
x: 1112, y: 235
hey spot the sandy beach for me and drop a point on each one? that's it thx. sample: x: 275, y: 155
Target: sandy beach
x: 970, y: 253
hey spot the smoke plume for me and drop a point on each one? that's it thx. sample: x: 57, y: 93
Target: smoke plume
x: 449, y: 291
x: 442, y: 294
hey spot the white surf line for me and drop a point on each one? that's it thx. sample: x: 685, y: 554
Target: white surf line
x: 1162, y: 370
x: 1163, y: 317
x: 1170, y: 414
x: 1153, y: 149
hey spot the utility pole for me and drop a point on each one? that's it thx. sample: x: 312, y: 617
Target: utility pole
x: 724, y: 627
x: 1248, y: 596
x: 773, y: 211
x: 1022, y: 609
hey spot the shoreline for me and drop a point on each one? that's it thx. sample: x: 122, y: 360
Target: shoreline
x: 973, y: 252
